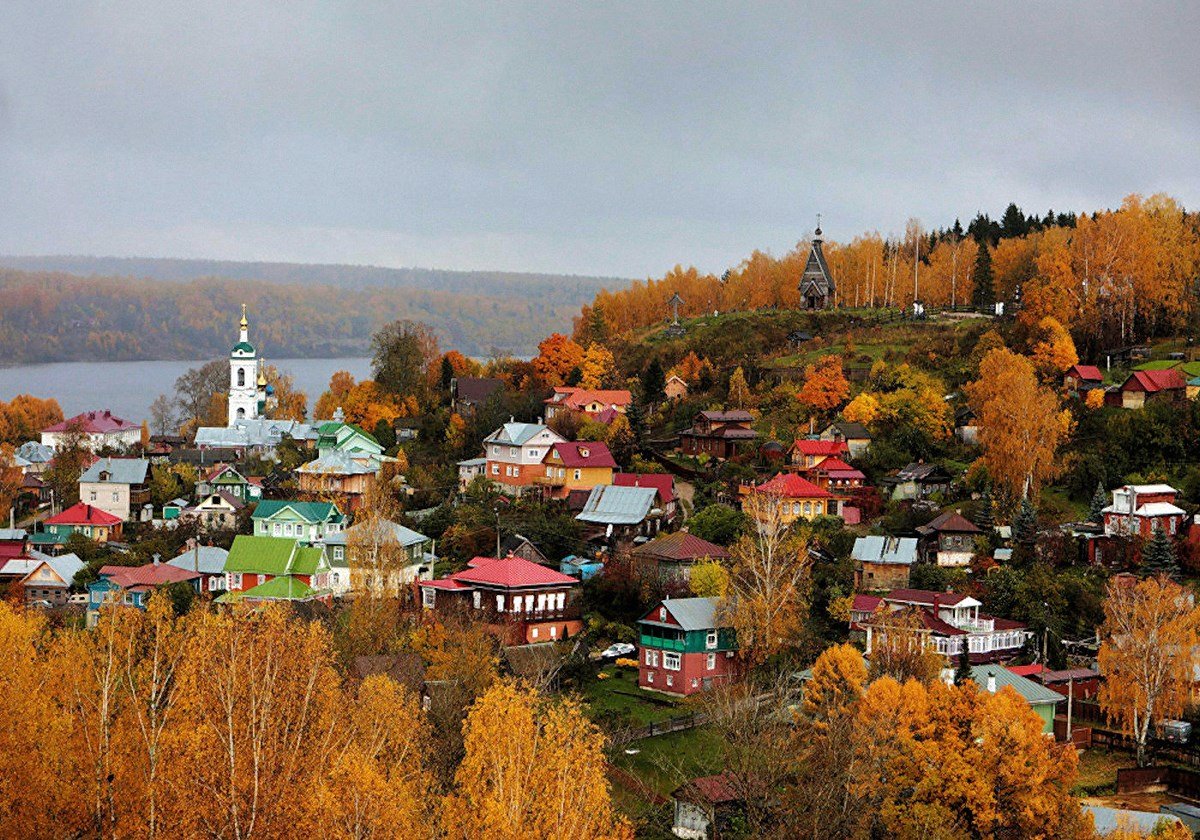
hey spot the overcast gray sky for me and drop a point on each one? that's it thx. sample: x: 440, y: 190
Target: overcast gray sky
x: 604, y: 138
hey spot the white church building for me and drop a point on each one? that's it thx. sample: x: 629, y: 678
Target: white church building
x: 248, y: 429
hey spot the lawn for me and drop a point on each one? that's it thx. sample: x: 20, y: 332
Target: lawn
x: 664, y: 762
x: 1098, y: 771
x: 617, y: 701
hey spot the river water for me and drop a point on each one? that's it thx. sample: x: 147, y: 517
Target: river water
x: 128, y: 388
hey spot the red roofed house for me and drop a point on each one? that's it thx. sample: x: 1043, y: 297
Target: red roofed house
x: 1082, y: 378
x: 81, y: 518
x: 807, y: 453
x: 1145, y: 385
x: 588, y: 401
x: 949, y: 622
x: 710, y: 807
x: 576, y: 465
x: 717, y: 433
x: 519, y: 601
x: 786, y: 498
x: 103, y: 428
x: 664, y: 483
x: 132, y: 585
x: 838, y: 477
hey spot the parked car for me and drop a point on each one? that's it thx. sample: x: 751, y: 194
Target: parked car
x: 618, y: 650
x: 1176, y: 731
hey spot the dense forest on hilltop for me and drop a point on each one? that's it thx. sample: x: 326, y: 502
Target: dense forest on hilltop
x: 55, y: 316
x: 1112, y: 277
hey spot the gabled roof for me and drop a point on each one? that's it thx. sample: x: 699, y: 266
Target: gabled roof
x: 208, y: 560
x: 340, y: 462
x: 394, y: 530
x: 225, y: 496
x: 280, y: 589
x: 512, y: 573
x: 222, y: 470
x: 900, y: 551
x: 616, y: 505
x: 66, y: 566
x: 476, y: 389
x: 681, y: 546
x: 579, y: 398
x: 950, y: 522
x: 94, y: 422
x: 664, y: 483
x: 273, y: 556
x: 311, y: 512
x: 714, y: 790
x: 736, y: 415
x: 81, y: 513
x: 117, y: 471
x: 1153, y: 381
x: 1031, y: 692
x: 816, y: 270
x: 580, y: 453
x: 927, y: 597
x: 35, y: 452
x: 1086, y: 373
x: 689, y: 613
x: 518, y: 434
x: 147, y: 576
x: 812, y: 446
x: 792, y: 486
x: 850, y: 430
x: 866, y: 603
x: 917, y: 471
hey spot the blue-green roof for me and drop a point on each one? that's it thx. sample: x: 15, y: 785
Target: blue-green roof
x: 1033, y: 693
x: 311, y: 512
x: 243, y: 347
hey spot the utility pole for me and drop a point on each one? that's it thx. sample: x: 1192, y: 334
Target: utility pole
x: 1070, y: 698
x: 916, y: 262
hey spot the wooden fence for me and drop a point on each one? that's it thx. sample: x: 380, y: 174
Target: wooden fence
x: 1178, y: 781
x: 1158, y: 748
x: 678, y: 723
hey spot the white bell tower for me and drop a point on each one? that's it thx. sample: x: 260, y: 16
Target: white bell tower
x: 243, y: 377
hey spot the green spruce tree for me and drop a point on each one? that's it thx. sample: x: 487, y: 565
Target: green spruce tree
x: 653, y: 382
x: 984, y: 294
x: 1158, y: 556
x: 1024, y: 532
x: 1099, y: 503
x: 985, y: 515
x: 962, y: 674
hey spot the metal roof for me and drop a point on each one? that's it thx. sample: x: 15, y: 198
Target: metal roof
x: 517, y: 434
x: 901, y: 551
x: 1034, y: 694
x: 689, y: 613
x: 210, y: 560
x: 611, y: 505
x: 117, y: 471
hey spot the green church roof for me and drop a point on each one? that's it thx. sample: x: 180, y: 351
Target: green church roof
x: 243, y: 347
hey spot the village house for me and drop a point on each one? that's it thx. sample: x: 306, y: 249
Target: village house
x: 576, y: 465
x: 621, y: 513
x: 1043, y: 701
x: 336, y: 435
x: 786, y: 498
x: 226, y: 479
x: 208, y: 561
x: 593, y: 403
x: 262, y: 569
x: 1080, y: 379
x: 854, y: 435
x: 257, y: 437
x: 676, y: 388
x: 85, y: 520
x: 306, y: 521
x: 515, y: 453
x: 116, y: 485
x: 948, y: 621
x: 408, y: 554
x: 469, y: 470
x: 663, y: 483
x: 101, y: 429
x: 516, y: 545
x: 807, y: 453
x: 340, y: 474
x: 49, y: 579
x: 884, y: 563
x: 671, y: 556
x: 1143, y: 386
x: 214, y: 512
x: 131, y: 586
x: 919, y: 482
x: 471, y: 392
x: 1141, y: 509
x: 717, y: 433
x: 519, y: 602
x: 948, y: 540
x: 708, y: 808
x: 837, y: 477
x: 685, y: 648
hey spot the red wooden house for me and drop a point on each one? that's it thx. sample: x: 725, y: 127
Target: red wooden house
x: 1142, y: 386
x: 685, y: 647
x: 717, y: 433
x: 1141, y: 509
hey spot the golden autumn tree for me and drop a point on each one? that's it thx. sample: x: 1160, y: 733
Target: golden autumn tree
x: 862, y: 409
x: 24, y: 416
x: 1021, y: 424
x: 598, y: 368
x: 1054, y: 352
x: 901, y: 649
x: 1150, y: 631
x: 340, y: 386
x: 11, y: 480
x: 767, y: 595
x: 533, y: 768
x: 709, y: 579
x: 825, y: 386
x: 289, y: 404
x: 739, y: 391
x: 557, y: 357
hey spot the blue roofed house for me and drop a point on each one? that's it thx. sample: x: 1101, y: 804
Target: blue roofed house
x: 356, y: 547
x: 884, y: 563
x: 208, y: 561
x: 309, y: 522
x: 620, y: 512
x: 49, y: 579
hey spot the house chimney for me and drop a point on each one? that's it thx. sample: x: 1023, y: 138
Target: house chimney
x: 991, y: 682
x: 157, y: 559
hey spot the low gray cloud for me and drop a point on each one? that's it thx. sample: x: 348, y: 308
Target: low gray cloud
x: 589, y: 138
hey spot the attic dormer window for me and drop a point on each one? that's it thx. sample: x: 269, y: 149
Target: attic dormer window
x: 104, y: 476
x: 662, y: 613
x: 583, y: 453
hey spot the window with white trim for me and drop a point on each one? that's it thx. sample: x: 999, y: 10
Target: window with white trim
x: 649, y: 676
x: 578, y: 474
x: 670, y: 680
x: 477, y: 598
x: 495, y: 469
x: 710, y: 639
x: 428, y: 597
x: 711, y: 664
x: 499, y: 603
x: 671, y: 661
x: 553, y: 631
x: 235, y: 580
x: 512, y: 451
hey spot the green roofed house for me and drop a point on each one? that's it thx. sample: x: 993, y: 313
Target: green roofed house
x: 275, y: 569
x: 993, y: 678
x: 337, y: 435
x: 306, y: 521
